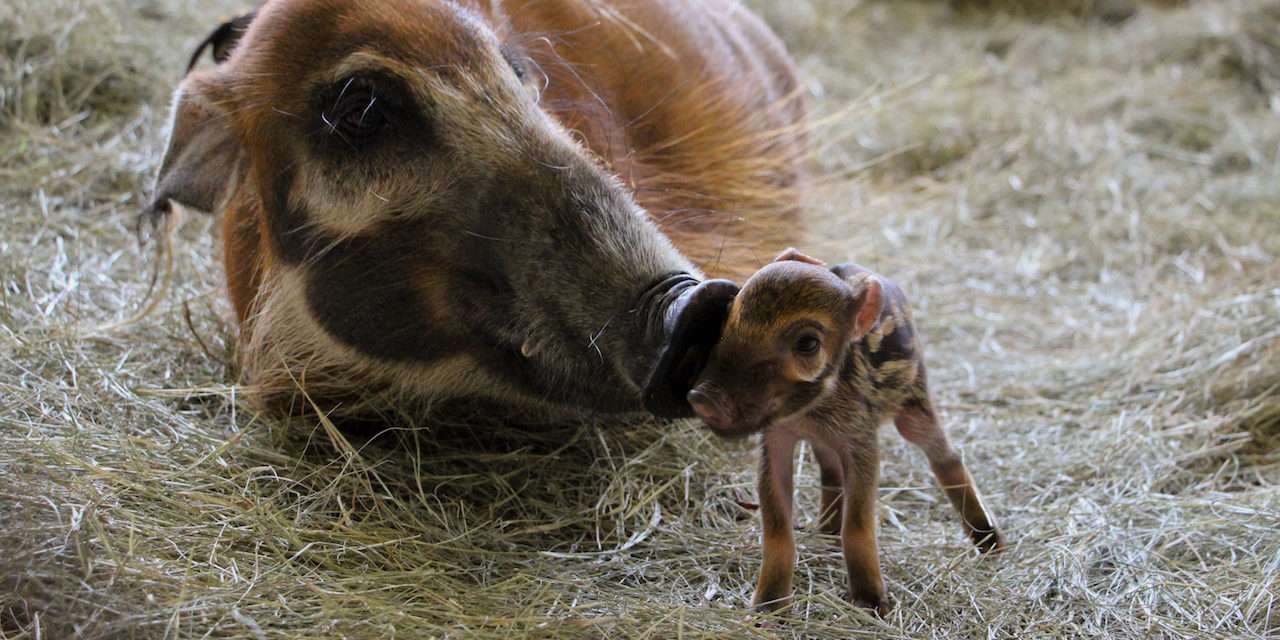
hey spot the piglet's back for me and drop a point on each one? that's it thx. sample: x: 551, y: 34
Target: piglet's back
x: 890, y: 353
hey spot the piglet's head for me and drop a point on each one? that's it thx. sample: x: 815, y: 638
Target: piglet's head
x: 783, y: 344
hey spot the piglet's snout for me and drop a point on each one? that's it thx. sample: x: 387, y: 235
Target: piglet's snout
x: 709, y: 409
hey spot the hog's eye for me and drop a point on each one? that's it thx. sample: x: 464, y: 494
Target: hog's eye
x: 517, y: 61
x: 365, y: 119
x: 517, y: 66
x: 358, y: 118
x: 357, y: 112
x: 807, y: 345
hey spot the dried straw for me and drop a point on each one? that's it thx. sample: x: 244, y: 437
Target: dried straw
x: 1086, y: 214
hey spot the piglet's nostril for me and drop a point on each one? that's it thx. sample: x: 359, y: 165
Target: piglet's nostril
x: 707, y: 409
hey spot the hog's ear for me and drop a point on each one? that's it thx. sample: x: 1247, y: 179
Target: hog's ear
x: 203, y: 150
x: 868, y: 304
x: 792, y: 253
x: 222, y: 40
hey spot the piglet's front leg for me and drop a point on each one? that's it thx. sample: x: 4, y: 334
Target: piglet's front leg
x: 776, y: 487
x: 858, y: 529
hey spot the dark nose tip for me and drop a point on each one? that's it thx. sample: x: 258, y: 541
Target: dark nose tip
x: 707, y: 409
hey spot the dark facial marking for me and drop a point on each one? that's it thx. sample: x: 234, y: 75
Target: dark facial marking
x: 368, y: 111
x: 362, y: 292
x: 291, y: 237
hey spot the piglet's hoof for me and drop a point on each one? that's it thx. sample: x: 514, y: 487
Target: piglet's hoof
x: 988, y: 541
x: 774, y: 614
x: 776, y: 606
x: 879, y: 607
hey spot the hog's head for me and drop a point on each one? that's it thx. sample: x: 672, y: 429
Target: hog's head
x: 406, y: 208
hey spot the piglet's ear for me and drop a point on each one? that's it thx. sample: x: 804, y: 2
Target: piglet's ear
x: 793, y: 253
x: 868, y: 304
x: 200, y: 160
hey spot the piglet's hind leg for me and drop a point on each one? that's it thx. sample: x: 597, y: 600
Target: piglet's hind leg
x: 919, y: 425
x: 831, y: 474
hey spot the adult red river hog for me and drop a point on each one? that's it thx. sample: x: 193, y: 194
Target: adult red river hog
x: 517, y: 202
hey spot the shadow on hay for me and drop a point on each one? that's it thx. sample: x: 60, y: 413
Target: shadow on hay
x: 499, y: 484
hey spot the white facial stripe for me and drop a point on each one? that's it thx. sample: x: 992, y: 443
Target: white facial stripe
x: 337, y: 211
x: 364, y: 61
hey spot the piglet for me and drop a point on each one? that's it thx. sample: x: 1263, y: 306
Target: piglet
x: 827, y: 355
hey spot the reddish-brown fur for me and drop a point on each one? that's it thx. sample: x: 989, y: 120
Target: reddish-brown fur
x: 692, y: 104
x: 701, y: 117
x: 707, y: 133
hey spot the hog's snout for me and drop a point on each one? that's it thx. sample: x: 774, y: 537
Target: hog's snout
x: 690, y: 317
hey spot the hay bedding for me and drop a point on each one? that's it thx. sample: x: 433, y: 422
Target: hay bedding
x: 1086, y: 211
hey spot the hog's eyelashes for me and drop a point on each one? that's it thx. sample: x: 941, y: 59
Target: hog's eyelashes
x: 361, y: 109
x: 359, y: 122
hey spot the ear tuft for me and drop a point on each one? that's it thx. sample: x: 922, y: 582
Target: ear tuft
x: 222, y: 40
x: 868, y: 304
x: 792, y: 253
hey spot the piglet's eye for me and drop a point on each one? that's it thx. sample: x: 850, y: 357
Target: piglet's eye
x: 807, y: 345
